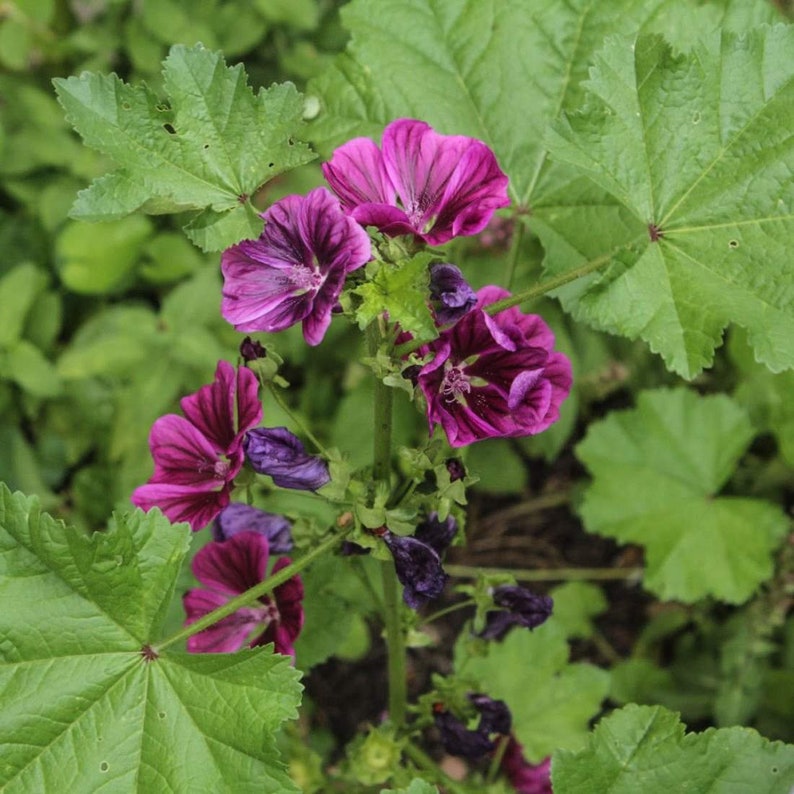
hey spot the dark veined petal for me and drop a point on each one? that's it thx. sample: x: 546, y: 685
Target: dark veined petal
x: 232, y: 566
x: 182, y: 502
x: 356, y: 173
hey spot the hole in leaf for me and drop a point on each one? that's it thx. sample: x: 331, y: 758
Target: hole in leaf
x: 206, y: 146
x: 290, y: 141
x: 169, y: 128
x: 733, y: 243
x: 270, y: 165
x: 104, y: 766
x: 126, y: 105
x: 696, y: 117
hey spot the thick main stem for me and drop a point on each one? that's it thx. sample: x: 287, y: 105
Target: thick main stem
x: 381, y: 469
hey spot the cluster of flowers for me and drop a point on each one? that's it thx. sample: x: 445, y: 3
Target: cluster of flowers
x: 493, y: 727
x: 487, y: 376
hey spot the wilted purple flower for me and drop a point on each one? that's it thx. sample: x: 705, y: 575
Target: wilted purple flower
x: 456, y: 469
x: 419, y: 182
x: 295, y: 271
x: 450, y: 294
x: 494, y: 376
x: 525, y: 778
x: 458, y: 739
x: 522, y: 607
x: 418, y: 568
x: 227, y: 569
x: 437, y: 534
x: 198, y: 455
x: 238, y: 517
x: 279, y: 453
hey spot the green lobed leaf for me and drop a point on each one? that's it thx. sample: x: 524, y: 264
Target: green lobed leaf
x: 402, y: 291
x: 83, y: 709
x: 209, y: 147
x: 698, y: 149
x: 551, y: 700
x: 657, y: 470
x: 642, y: 748
x: 18, y: 291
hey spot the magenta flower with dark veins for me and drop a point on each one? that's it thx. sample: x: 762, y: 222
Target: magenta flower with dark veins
x: 198, y: 455
x: 238, y: 517
x: 227, y: 569
x: 494, y: 376
x: 295, y: 271
x: 419, y: 182
x: 281, y: 455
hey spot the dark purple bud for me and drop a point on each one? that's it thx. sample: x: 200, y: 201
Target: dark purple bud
x: 460, y: 740
x: 350, y: 549
x: 412, y: 373
x: 456, y: 469
x: 279, y: 453
x: 238, y: 517
x: 437, y: 534
x: 251, y: 350
x: 522, y: 607
x: 450, y: 294
x: 418, y: 568
x: 495, y: 716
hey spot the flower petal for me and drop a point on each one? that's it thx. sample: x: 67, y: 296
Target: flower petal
x: 234, y: 565
x: 239, y: 517
x: 356, y: 173
x: 182, y: 502
x: 225, y: 636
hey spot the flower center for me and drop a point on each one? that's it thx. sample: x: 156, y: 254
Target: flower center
x: 219, y: 468
x: 306, y: 278
x: 455, y: 384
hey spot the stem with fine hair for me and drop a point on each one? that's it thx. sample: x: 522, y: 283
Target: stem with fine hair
x: 547, y: 574
x: 381, y: 470
x: 250, y: 595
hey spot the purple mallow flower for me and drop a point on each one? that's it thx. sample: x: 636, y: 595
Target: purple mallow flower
x: 459, y: 739
x: 198, y: 455
x: 419, y: 182
x: 450, y: 294
x: 520, y: 607
x: 227, y: 569
x: 525, y: 778
x: 279, y: 453
x: 494, y: 376
x: 295, y: 271
x: 237, y: 518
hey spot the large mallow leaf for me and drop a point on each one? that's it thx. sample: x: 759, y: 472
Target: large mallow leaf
x: 209, y: 146
x: 645, y: 749
x: 657, y: 470
x: 87, y: 702
x: 698, y: 148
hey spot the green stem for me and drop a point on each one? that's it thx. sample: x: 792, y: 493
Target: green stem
x: 515, y: 250
x: 425, y: 762
x: 282, y: 403
x: 251, y: 595
x: 549, y: 286
x: 547, y: 575
x: 469, y: 602
x: 392, y: 607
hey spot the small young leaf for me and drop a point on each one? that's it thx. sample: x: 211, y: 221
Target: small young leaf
x: 84, y: 708
x: 656, y: 472
x: 209, y: 147
x: 643, y: 748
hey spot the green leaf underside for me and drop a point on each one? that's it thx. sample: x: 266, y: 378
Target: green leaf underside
x: 643, y: 748
x: 700, y: 146
x: 209, y: 147
x: 551, y: 700
x: 82, y: 709
x: 656, y: 471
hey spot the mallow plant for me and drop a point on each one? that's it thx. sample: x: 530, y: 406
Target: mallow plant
x: 654, y: 225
